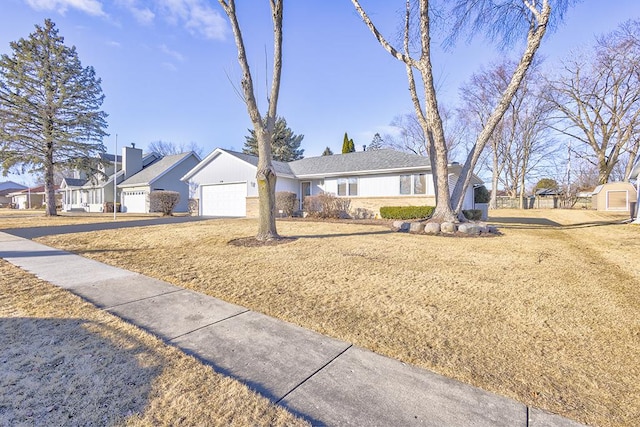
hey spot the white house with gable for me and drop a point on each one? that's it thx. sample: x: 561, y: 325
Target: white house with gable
x: 226, y: 180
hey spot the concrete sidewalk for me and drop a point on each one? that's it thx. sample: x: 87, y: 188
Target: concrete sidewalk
x: 324, y: 380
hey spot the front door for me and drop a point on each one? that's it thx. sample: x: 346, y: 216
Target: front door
x: 305, y: 191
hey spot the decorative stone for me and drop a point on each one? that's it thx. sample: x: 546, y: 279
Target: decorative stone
x: 400, y: 226
x: 492, y: 229
x: 448, y: 227
x: 432, y: 228
x: 469, y: 228
x: 416, y: 227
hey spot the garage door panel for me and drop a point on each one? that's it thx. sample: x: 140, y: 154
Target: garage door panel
x: 135, y: 202
x: 224, y: 199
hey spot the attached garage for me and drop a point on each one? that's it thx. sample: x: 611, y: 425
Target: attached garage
x: 224, y: 199
x: 135, y: 201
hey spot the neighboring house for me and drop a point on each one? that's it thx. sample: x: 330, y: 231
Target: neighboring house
x: 136, y: 175
x: 163, y: 174
x: 614, y: 196
x: 6, y: 188
x: 226, y: 180
x: 91, y: 194
x: 31, y: 198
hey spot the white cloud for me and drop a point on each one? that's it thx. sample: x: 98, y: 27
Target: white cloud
x: 197, y: 17
x: 113, y: 43
x: 91, y: 7
x: 169, y: 66
x: 174, y: 54
x: 144, y: 16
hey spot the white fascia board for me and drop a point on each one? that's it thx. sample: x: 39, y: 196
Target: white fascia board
x: 215, y: 153
x: 364, y: 172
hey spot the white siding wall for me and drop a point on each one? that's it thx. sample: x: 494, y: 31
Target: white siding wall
x: 227, y: 168
x: 377, y: 185
x: 288, y: 184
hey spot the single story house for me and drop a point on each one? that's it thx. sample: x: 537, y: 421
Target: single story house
x: 226, y: 180
x: 31, y: 198
x: 136, y: 175
x: 614, y: 196
x: 6, y: 188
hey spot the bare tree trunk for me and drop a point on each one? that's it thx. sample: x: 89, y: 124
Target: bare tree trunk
x: 534, y: 38
x: 493, y: 201
x: 266, y: 175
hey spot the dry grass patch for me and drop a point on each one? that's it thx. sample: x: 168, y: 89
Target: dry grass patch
x: 64, y: 362
x: 546, y: 314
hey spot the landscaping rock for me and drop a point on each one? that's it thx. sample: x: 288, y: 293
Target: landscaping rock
x: 469, y: 228
x: 432, y: 228
x: 416, y: 227
x: 400, y: 226
x: 448, y: 227
x: 492, y: 229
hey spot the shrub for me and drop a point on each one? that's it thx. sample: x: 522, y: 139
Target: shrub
x: 163, y: 201
x: 286, y: 202
x: 473, y: 214
x: 481, y: 194
x: 406, y: 212
x: 327, y: 206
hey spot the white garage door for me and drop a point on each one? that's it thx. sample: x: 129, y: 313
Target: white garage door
x: 134, y: 201
x: 224, y: 199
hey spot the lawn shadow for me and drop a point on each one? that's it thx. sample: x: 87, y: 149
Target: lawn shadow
x: 60, y: 371
x: 325, y: 236
x: 522, y: 223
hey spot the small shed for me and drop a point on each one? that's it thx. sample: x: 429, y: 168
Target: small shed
x: 614, y: 197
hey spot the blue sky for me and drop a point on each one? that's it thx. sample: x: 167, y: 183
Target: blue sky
x: 169, y: 67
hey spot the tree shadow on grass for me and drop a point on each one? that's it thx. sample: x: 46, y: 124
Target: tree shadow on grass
x: 58, y: 371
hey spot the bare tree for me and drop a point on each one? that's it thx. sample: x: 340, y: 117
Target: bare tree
x: 505, y: 20
x: 598, y: 101
x: 520, y: 142
x: 167, y: 148
x: 411, y: 138
x: 263, y: 126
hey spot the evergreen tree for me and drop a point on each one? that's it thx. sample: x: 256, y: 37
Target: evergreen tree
x: 347, y: 145
x: 327, y: 152
x: 376, y: 143
x: 285, y: 146
x: 50, y: 113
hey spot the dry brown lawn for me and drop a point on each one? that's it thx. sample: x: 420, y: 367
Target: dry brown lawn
x: 547, y: 313
x: 64, y: 362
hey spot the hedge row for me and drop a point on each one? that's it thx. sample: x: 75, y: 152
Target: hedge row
x: 406, y: 212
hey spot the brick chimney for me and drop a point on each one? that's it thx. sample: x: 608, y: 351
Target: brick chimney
x: 131, y: 160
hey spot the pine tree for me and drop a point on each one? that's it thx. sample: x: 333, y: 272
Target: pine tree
x: 347, y: 145
x: 376, y: 143
x: 50, y: 113
x: 327, y: 152
x: 285, y: 146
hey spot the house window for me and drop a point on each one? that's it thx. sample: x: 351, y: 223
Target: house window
x: 420, y: 184
x: 405, y: 184
x: 413, y: 184
x: 347, y: 186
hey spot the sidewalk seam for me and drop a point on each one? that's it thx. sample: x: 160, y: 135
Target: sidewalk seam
x: 210, y: 324
x: 137, y: 300
x: 313, y: 374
